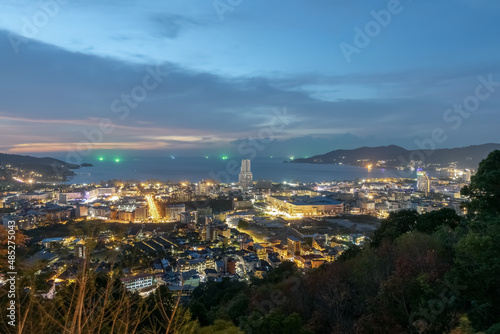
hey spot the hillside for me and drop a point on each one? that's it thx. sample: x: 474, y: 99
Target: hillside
x: 395, y: 156
x: 31, y: 168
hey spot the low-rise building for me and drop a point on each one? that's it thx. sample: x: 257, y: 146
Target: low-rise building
x: 138, y: 282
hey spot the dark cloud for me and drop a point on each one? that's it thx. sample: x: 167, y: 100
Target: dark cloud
x: 46, y: 82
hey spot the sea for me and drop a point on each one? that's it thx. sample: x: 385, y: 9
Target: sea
x: 194, y: 169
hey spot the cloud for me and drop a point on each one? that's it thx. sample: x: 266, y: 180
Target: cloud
x: 56, y: 90
x: 68, y: 147
x: 170, y: 26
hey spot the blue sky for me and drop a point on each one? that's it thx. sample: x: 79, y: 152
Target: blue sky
x: 229, y: 73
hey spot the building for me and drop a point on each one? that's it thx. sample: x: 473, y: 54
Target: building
x: 81, y: 211
x: 242, y: 205
x: 230, y: 266
x: 65, y: 197
x: 203, y: 188
x: 21, y: 222
x: 306, y: 205
x: 173, y: 212
x: 201, y: 215
x: 34, y: 196
x: 138, y: 282
x: 126, y: 215
x: 246, y: 176
x: 80, y: 251
x: 294, y: 246
x: 106, y: 191
x: 210, y: 232
x: 423, y: 182
x: 141, y: 213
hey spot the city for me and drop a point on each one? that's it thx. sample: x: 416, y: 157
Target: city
x: 212, y: 230
x: 249, y: 167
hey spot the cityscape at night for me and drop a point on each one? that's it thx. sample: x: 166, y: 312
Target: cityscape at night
x: 236, y: 166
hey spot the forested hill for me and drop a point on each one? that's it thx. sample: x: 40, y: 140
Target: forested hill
x: 15, y: 159
x: 396, y: 156
x: 41, y: 169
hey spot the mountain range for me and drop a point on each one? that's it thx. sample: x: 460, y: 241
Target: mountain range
x: 394, y: 156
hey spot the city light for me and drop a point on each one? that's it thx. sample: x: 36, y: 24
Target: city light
x: 153, y: 209
x: 101, y: 159
x: 117, y: 160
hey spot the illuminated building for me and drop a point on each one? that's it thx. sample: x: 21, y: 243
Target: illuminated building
x: 141, y: 213
x: 306, y: 206
x: 423, y: 182
x: 138, y: 282
x: 125, y: 215
x: 293, y: 246
x: 173, y: 212
x: 246, y: 176
x: 80, y: 251
x: 203, y: 188
x: 34, y: 196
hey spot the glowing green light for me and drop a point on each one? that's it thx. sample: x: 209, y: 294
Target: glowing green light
x: 206, y: 157
x: 101, y: 159
x: 117, y: 160
x: 224, y: 158
x: 291, y: 158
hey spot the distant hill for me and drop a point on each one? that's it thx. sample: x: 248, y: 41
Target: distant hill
x: 395, y: 156
x: 24, y: 166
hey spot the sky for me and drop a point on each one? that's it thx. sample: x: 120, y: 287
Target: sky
x: 286, y: 78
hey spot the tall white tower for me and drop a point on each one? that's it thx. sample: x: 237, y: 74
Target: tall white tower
x: 246, y: 176
x: 423, y: 182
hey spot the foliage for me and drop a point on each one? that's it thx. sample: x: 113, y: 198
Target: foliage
x: 243, y: 224
x: 396, y: 224
x: 484, y: 189
x: 220, y: 327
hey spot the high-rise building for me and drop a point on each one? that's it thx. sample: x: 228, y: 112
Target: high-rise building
x: 293, y: 246
x: 246, y: 176
x: 467, y: 175
x: 423, y: 182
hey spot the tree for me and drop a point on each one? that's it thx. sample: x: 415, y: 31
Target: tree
x: 477, y: 267
x: 431, y: 221
x: 484, y: 189
x: 396, y: 224
x: 220, y: 327
x: 477, y: 255
x: 243, y: 224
